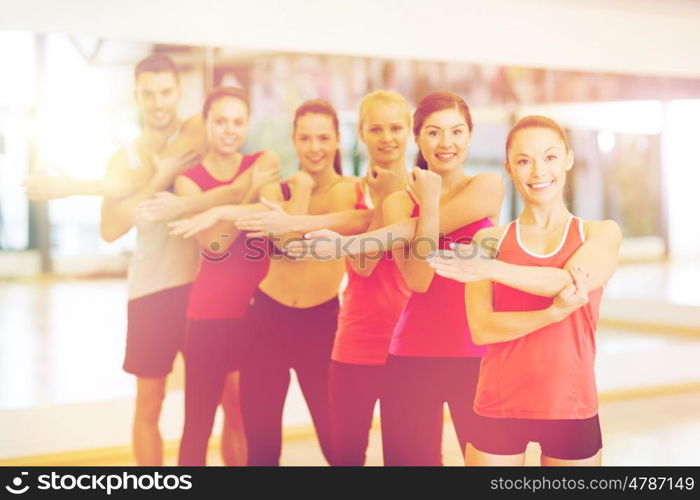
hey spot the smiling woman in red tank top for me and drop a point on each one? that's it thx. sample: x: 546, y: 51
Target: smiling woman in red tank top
x: 217, y: 333
x: 536, y: 306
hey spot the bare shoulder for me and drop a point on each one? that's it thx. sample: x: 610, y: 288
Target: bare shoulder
x: 268, y: 158
x: 489, y: 237
x: 118, y: 162
x: 398, y: 199
x: 491, y: 232
x: 194, y: 126
x: 344, y: 185
x: 343, y: 195
x: 184, y: 186
x: 271, y: 191
x: 608, y: 229
x: 487, y: 184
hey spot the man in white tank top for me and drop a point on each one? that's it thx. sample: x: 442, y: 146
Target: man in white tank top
x: 162, y: 267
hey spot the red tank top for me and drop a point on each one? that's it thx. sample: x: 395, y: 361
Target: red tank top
x: 547, y: 374
x: 434, y: 323
x: 226, y: 283
x: 370, y: 308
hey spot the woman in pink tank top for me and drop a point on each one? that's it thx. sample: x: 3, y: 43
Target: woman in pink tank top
x: 217, y: 335
x: 536, y: 306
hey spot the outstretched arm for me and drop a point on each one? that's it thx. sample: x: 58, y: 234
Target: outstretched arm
x: 167, y: 206
x: 184, y: 152
x: 474, y: 262
x: 118, y: 215
x: 481, y: 198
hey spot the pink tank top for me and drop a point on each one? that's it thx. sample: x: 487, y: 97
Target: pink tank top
x: 370, y: 308
x: 226, y: 282
x: 547, y: 374
x: 434, y: 323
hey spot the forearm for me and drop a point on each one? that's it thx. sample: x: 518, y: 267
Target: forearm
x: 417, y: 270
x: 346, y: 222
x: 217, y: 239
x: 543, y: 281
x: 491, y: 327
x: 231, y: 213
x: 393, y: 237
x: 111, y: 188
x: 364, y: 265
x: 222, y: 195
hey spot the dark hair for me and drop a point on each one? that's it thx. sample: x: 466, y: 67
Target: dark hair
x: 536, y: 121
x: 157, y: 63
x: 321, y: 107
x: 432, y: 103
x: 220, y: 93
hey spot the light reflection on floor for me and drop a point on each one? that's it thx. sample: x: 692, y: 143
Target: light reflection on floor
x: 62, y: 342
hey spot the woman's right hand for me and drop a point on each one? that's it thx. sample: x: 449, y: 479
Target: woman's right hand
x: 426, y: 185
x: 575, y: 294
x: 192, y: 225
x: 261, y: 224
x: 382, y: 182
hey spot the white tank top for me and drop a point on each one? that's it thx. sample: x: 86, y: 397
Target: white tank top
x: 159, y: 261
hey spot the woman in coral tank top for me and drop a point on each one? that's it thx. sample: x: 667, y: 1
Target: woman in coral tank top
x: 216, y: 336
x: 536, y: 306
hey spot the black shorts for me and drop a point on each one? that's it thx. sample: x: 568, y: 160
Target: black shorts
x: 155, y: 331
x: 560, y: 439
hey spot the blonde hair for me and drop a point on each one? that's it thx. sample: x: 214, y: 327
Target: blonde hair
x: 383, y: 97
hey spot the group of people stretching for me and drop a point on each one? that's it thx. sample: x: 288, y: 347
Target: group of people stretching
x: 241, y: 272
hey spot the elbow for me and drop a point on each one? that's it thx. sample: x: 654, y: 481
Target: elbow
x: 478, y: 331
x: 478, y: 336
x: 478, y: 339
x: 108, y: 234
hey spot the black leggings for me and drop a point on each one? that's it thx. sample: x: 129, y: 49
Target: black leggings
x: 412, y: 409
x: 213, y: 349
x: 283, y: 338
x: 354, y: 390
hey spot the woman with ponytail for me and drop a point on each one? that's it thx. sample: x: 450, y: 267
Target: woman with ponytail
x: 293, y: 314
x: 535, y: 303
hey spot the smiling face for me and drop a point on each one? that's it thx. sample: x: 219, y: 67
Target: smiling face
x: 444, y: 140
x: 538, y: 160
x: 157, y: 95
x: 384, y: 130
x: 227, y: 124
x: 316, y: 142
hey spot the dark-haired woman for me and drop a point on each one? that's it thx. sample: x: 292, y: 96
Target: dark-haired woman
x: 293, y: 314
x: 216, y: 335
